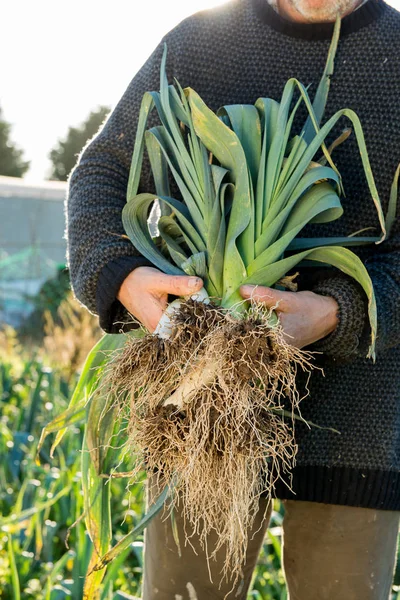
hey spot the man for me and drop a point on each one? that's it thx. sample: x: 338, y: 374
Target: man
x: 341, y: 516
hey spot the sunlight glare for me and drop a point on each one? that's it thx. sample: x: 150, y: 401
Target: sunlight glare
x: 66, y: 58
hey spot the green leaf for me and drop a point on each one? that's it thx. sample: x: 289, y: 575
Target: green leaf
x: 245, y: 122
x: 321, y: 96
x: 297, y: 148
x: 14, y: 571
x: 174, y: 133
x: 217, y: 241
x: 194, y: 207
x: 134, y: 219
x: 284, y: 204
x: 97, y: 495
x: 226, y: 147
x: 305, y: 243
x: 159, y: 165
x: 127, y: 540
x: 268, y: 110
x: 316, y: 143
x: 392, y: 208
x: 196, y: 265
x: 146, y: 107
x: 17, y: 517
x: 100, y: 424
x: 200, y: 160
x: 57, y: 570
x: 320, y: 204
x: 278, y: 149
x: 172, y: 235
x: 95, y: 361
x: 177, y: 106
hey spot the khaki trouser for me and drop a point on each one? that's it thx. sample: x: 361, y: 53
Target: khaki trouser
x: 330, y: 552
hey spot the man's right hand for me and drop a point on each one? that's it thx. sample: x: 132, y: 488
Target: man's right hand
x: 144, y: 293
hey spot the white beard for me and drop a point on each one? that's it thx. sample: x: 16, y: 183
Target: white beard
x: 326, y: 12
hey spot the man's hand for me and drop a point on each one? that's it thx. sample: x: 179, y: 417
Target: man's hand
x: 144, y: 293
x: 305, y: 317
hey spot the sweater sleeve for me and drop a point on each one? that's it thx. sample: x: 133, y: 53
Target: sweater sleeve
x: 351, y: 338
x: 99, y: 257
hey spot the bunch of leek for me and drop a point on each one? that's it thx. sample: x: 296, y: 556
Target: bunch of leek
x: 208, y: 394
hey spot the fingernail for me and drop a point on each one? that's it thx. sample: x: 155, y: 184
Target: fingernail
x: 194, y: 283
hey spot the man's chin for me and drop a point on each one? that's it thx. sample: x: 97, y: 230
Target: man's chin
x: 318, y: 11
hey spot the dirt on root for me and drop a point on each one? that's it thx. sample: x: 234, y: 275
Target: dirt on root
x: 225, y: 439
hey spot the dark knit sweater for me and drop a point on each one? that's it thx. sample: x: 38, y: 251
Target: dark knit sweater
x: 235, y: 54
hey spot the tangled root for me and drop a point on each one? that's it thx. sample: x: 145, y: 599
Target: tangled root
x: 205, y: 409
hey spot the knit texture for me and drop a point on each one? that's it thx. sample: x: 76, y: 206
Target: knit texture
x: 351, y: 335
x: 235, y: 54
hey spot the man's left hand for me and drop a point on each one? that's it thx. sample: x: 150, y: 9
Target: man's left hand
x: 305, y: 317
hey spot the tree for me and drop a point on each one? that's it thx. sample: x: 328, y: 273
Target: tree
x: 11, y: 162
x: 64, y: 155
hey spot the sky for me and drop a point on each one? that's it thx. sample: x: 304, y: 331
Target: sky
x: 60, y: 60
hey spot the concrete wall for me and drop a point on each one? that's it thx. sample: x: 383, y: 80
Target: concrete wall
x: 32, y: 214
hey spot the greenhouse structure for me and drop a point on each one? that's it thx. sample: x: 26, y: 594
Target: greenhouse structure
x: 32, y: 244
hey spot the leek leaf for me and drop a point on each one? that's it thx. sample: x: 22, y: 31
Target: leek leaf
x: 169, y: 232
x: 134, y: 219
x: 268, y: 110
x: 304, y: 243
x: 321, y: 96
x: 320, y: 203
x: 193, y: 206
x: 276, y: 218
x: 245, y: 122
x: 225, y: 146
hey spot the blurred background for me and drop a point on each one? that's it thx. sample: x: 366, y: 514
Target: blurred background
x: 64, y: 67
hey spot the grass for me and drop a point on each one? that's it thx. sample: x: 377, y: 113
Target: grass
x: 43, y: 556
x: 39, y: 503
